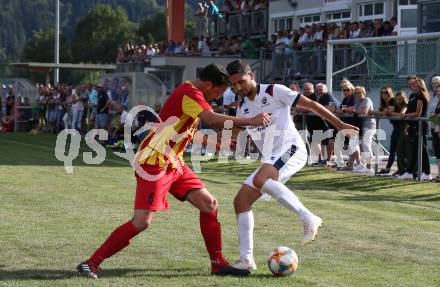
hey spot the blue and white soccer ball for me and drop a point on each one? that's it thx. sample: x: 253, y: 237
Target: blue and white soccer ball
x: 282, y: 261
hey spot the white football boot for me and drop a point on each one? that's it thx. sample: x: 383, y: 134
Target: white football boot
x: 311, y: 226
x: 247, y: 264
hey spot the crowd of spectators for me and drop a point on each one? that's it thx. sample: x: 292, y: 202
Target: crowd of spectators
x: 357, y: 108
x: 317, y: 34
x: 283, y: 42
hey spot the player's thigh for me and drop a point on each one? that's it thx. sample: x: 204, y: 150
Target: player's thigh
x: 202, y: 199
x: 152, y: 194
x: 292, y: 166
x: 245, y: 198
x: 188, y: 186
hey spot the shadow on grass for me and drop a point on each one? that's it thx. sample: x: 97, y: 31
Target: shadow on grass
x: 348, y: 182
x: 46, y: 274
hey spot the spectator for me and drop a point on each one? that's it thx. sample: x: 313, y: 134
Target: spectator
x: 363, y: 105
x: 355, y: 31
x: 326, y: 99
x: 248, y: 49
x: 150, y: 50
x: 93, y: 102
x: 213, y: 10
x: 227, y: 7
x: 103, y: 109
x: 396, y: 27
x: 202, y: 46
x: 123, y: 117
x: 180, y: 48
x: 293, y: 85
x: 200, y: 9
x: 387, y: 29
x: 235, y: 46
x: 315, y: 126
x: 319, y: 37
x: 387, y: 107
x: 417, y: 107
x: 402, y: 142
x: 8, y: 124
x: 378, y: 28
x: 333, y: 31
x: 345, y: 31
x: 120, y: 57
x: 347, y: 106
x: 364, y: 30
x: 435, y: 131
x: 230, y: 102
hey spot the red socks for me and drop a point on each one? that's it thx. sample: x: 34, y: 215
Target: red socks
x: 118, y: 240
x: 212, y: 234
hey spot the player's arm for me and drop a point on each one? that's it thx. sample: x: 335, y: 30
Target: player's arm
x: 315, y: 107
x: 213, y: 119
x: 204, y: 139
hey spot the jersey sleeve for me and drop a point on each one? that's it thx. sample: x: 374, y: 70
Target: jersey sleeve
x: 193, y: 104
x: 286, y: 95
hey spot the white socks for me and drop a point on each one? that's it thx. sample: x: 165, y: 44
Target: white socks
x: 245, y: 225
x: 286, y: 198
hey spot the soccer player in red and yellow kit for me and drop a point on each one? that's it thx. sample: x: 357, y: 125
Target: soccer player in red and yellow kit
x: 160, y: 156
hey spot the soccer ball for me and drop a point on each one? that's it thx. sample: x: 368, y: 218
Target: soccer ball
x: 282, y: 261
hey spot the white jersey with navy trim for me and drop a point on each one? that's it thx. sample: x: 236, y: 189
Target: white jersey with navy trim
x: 280, y: 139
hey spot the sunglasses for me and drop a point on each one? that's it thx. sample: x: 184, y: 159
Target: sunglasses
x: 345, y: 90
x: 384, y: 92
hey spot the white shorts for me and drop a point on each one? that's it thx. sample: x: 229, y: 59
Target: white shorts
x: 288, y: 163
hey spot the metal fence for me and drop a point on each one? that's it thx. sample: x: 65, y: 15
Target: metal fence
x: 384, y: 62
x: 236, y: 23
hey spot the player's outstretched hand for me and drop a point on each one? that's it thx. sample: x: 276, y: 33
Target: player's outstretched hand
x: 262, y: 119
x: 349, y: 130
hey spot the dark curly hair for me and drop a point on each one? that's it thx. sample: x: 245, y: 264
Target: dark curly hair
x: 238, y: 67
x: 216, y: 74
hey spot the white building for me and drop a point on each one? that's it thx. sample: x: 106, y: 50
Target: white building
x: 292, y: 14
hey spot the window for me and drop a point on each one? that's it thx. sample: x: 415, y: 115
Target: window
x: 341, y: 16
x: 409, y: 18
x: 407, y: 2
x: 429, y: 20
x: 281, y: 24
x: 371, y: 11
x: 309, y: 19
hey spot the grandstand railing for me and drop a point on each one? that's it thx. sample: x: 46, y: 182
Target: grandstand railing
x: 251, y: 23
x: 373, y: 61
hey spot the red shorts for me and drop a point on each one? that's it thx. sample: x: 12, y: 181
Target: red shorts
x: 152, y: 195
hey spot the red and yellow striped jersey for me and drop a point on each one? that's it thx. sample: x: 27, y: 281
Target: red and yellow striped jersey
x: 164, y: 145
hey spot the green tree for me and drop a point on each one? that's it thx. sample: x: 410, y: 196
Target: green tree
x: 153, y: 28
x: 41, y: 48
x: 99, y: 33
x: 190, y: 29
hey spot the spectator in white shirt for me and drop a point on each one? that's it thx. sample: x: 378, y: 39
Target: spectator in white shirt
x: 396, y: 27
x: 355, y: 31
x: 230, y: 102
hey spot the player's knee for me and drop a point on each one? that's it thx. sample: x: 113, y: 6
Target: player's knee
x: 241, y: 203
x: 258, y: 182
x: 142, y: 222
x: 210, y: 205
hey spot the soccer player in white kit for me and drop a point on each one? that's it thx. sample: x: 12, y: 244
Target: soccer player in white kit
x: 283, y: 153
